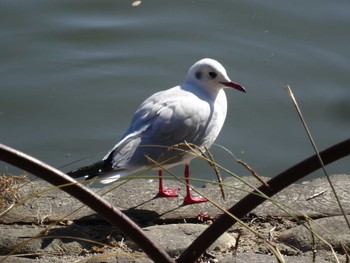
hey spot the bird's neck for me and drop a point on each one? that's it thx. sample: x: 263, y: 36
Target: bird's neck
x: 201, y: 92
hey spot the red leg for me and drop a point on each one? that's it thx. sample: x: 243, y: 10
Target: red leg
x: 188, y: 198
x: 163, y: 191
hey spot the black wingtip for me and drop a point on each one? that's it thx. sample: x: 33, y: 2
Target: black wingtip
x: 90, y: 170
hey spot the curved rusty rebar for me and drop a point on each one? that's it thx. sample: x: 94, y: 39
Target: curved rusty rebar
x: 86, y: 196
x: 252, y: 200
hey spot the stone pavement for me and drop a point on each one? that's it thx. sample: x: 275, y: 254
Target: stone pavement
x: 175, y: 226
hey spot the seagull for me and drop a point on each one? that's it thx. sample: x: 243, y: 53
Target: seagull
x: 164, y: 126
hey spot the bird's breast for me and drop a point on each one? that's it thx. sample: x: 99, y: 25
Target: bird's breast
x: 216, y: 120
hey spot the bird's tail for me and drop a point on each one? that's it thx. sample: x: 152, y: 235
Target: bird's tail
x: 88, y: 171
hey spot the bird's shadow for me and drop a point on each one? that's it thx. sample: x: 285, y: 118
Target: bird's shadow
x: 147, y: 215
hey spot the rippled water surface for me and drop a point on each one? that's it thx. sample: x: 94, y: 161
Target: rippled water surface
x: 73, y: 73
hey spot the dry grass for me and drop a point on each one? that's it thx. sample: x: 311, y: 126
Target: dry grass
x: 9, y: 189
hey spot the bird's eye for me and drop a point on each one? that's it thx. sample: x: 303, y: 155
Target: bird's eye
x: 212, y: 74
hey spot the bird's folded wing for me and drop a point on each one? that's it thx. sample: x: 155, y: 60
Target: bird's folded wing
x: 157, y: 125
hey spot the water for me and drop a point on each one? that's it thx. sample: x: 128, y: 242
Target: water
x: 73, y: 73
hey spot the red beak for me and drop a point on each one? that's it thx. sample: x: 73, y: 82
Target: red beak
x: 233, y: 85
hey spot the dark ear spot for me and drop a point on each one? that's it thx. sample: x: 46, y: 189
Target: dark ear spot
x: 198, y: 75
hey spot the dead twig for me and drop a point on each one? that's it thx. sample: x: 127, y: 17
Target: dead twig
x: 316, y: 195
x: 320, y: 159
x: 256, y: 176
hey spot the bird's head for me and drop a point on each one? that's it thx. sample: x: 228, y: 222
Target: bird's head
x: 211, y: 75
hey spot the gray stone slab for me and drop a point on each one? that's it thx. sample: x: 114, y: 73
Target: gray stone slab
x: 14, y: 259
x: 175, y: 238
x: 312, y: 198
x: 101, y: 258
x: 331, y: 229
x: 40, y: 202
x: 74, y: 239
x: 22, y: 239
x: 137, y: 198
x: 260, y: 258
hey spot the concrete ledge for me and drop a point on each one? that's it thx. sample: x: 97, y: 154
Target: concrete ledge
x: 70, y: 236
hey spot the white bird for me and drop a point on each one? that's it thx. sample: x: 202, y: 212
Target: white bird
x: 193, y: 113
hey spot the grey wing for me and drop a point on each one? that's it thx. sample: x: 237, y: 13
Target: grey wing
x: 160, y: 122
